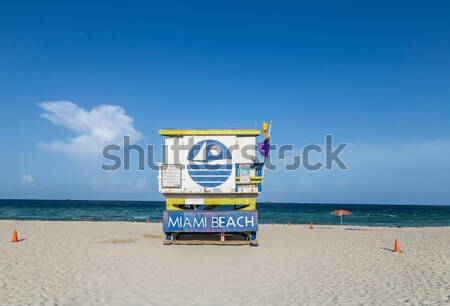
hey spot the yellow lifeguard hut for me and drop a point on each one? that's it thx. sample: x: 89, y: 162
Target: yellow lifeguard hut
x: 210, y: 179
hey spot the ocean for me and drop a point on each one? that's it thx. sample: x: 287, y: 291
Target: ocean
x: 136, y: 211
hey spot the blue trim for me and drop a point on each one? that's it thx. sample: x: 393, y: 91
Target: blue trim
x: 258, y: 170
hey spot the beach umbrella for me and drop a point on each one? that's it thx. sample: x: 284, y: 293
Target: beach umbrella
x: 341, y: 212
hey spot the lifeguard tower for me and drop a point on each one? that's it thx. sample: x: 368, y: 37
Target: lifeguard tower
x: 210, y: 179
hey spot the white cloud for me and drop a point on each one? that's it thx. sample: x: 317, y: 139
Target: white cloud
x: 104, y: 124
x: 26, y: 180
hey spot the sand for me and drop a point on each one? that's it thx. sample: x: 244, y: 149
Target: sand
x: 109, y: 263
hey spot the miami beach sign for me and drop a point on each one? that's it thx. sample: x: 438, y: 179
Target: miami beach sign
x: 210, y: 221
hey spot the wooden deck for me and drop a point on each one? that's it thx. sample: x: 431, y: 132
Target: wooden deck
x: 211, y: 242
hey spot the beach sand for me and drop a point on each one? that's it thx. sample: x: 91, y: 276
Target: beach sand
x: 79, y: 263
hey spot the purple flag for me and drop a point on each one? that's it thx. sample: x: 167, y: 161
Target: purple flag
x: 263, y: 148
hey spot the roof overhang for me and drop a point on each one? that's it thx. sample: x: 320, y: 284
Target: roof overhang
x: 179, y: 132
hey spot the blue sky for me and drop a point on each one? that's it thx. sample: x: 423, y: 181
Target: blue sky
x: 376, y: 75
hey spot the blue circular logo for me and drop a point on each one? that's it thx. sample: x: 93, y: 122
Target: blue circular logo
x: 209, y: 163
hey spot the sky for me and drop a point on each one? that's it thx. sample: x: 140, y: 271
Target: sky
x: 75, y: 76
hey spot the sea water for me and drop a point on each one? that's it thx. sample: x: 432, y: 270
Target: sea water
x: 362, y: 214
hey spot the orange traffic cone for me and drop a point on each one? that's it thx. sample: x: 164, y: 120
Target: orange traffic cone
x: 396, y: 246
x: 311, y: 226
x: 289, y: 223
x: 15, y: 238
x: 147, y: 220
